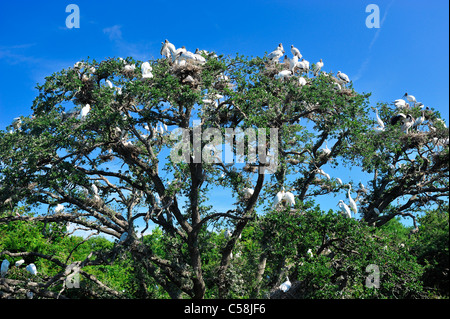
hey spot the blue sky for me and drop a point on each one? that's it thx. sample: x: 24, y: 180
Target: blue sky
x: 408, y: 53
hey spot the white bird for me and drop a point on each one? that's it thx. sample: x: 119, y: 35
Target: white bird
x: 129, y: 68
x: 19, y: 263
x: 280, y: 47
x: 410, y: 98
x: 275, y: 55
x: 317, y: 67
x: 4, y: 268
x: 321, y: 172
x: 353, y: 206
x: 176, y: 53
x: 85, y: 111
x: 109, y: 83
x: 306, y: 64
x: 289, y: 198
x: 343, y: 77
x: 283, y: 75
x: 301, y: 81
x: 278, y: 198
x: 407, y: 123
x: 310, y: 254
x: 198, y: 58
x: 17, y: 123
x: 401, y: 104
x: 167, y: 49
x: 345, y: 209
x: 293, y: 63
x: 146, y: 70
x: 296, y: 52
x: 419, y: 120
x: 283, y: 197
x: 285, y: 286
x: 31, y: 268
x: 379, y: 121
x: 59, y: 208
x: 94, y: 189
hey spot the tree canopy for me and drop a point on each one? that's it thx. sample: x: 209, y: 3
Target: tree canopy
x: 97, y: 153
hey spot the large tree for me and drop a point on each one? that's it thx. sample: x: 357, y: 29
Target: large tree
x: 97, y: 143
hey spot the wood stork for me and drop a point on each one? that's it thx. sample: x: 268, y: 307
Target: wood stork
x: 345, y: 209
x: 401, y: 104
x: 310, y: 253
x: 167, y: 49
x: 59, y: 208
x: 31, y: 268
x: 275, y: 55
x: 317, y: 67
x: 146, y: 70
x: 85, y: 111
x: 419, y: 120
x: 94, y: 189
x: 280, y: 47
x: 410, y: 98
x: 17, y: 123
x: 326, y: 150
x: 296, y: 52
x: 353, y: 206
x: 343, y: 77
x: 248, y: 192
x: 285, y: 286
x: 4, y: 268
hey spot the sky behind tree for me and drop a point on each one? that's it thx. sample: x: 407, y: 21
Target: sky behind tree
x: 408, y: 53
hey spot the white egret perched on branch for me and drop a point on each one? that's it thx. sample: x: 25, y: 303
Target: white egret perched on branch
x: 31, y: 268
x: 283, y: 197
x: 84, y: 111
x: 345, y: 209
x: 343, y: 77
x: 410, y: 98
x: 353, y: 206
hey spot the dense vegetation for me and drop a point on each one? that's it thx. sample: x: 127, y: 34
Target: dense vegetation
x: 95, y: 154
